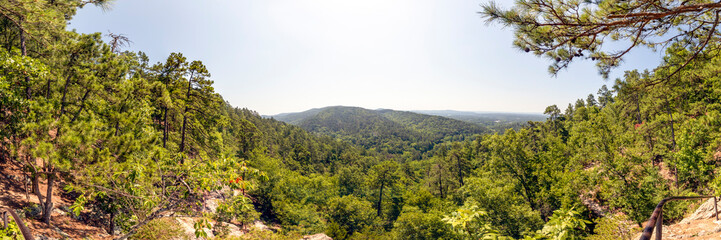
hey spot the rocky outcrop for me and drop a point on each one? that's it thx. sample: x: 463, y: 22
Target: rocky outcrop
x: 706, y: 210
x: 319, y: 236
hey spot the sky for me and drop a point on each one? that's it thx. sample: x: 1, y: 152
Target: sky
x: 278, y: 56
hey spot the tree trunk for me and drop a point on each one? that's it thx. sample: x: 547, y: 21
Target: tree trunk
x: 47, y: 90
x: 49, y: 197
x: 82, y: 105
x: 36, y: 190
x: 673, y: 135
x: 24, y: 52
x: 460, y: 170
x: 165, y: 126
x: 380, y: 199
x: 182, y: 136
x: 65, y: 93
x: 111, y: 225
x: 185, y: 117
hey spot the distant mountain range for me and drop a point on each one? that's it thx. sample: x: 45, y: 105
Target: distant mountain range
x: 389, y: 129
x: 486, y: 118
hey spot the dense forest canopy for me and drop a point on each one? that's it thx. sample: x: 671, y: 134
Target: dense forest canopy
x: 383, y: 130
x: 134, y: 141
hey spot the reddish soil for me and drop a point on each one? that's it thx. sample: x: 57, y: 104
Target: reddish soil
x: 13, y: 196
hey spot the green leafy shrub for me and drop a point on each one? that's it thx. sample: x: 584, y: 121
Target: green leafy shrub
x: 161, y: 229
x: 469, y: 222
x: 11, y: 232
x: 614, y: 227
x: 336, y: 231
x: 415, y: 224
x: 565, y: 224
x: 238, y: 208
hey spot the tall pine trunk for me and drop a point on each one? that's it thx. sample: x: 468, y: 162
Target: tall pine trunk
x: 165, y: 126
x: 673, y: 134
x: 185, y: 112
x: 380, y: 199
x: 24, y: 52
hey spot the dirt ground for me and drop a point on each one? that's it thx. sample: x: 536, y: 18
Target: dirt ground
x: 701, y: 229
x: 13, y: 195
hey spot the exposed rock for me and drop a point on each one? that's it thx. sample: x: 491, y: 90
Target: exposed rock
x: 211, y: 201
x: 59, y: 212
x: 706, y: 210
x: 260, y: 225
x: 590, y: 201
x: 319, y: 236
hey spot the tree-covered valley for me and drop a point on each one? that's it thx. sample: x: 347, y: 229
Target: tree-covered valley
x: 132, y: 143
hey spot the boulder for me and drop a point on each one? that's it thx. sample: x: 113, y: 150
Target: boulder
x: 706, y: 210
x: 211, y: 200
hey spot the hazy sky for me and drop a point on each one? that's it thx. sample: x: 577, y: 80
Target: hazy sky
x: 277, y: 56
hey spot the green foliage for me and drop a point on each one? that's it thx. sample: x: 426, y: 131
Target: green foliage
x: 349, y: 213
x: 613, y: 227
x: 565, y: 224
x: 238, y: 208
x: 415, y: 224
x: 11, y: 232
x: 469, y: 222
x: 336, y: 231
x: 507, y: 210
x: 716, y: 185
x: 161, y: 229
x: 200, y: 226
x: 696, y: 140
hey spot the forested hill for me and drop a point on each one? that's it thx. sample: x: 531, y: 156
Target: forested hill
x: 386, y: 130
